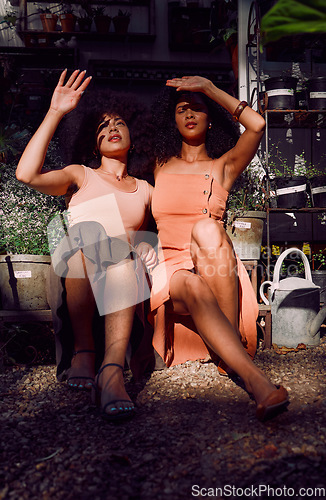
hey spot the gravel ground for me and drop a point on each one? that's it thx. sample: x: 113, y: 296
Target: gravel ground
x: 193, y: 430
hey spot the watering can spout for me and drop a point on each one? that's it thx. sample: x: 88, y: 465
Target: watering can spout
x: 317, y: 321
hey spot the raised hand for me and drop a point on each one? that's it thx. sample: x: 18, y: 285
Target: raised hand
x: 67, y: 95
x: 190, y: 83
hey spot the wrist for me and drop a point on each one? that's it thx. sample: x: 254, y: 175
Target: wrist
x: 55, y: 113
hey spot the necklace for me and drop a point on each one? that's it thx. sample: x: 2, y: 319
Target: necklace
x: 118, y: 177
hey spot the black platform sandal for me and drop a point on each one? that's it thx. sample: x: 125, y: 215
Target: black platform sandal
x: 122, y: 413
x: 76, y: 387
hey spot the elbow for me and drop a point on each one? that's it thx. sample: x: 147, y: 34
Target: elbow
x: 260, y: 125
x: 21, y: 177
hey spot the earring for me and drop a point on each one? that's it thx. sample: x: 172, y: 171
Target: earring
x: 210, y: 126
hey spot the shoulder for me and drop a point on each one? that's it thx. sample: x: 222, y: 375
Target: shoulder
x: 76, y: 173
x: 146, y: 188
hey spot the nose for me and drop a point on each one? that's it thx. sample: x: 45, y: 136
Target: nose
x: 113, y: 127
x: 190, y: 113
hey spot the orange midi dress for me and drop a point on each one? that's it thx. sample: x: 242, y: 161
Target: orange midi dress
x: 178, y: 202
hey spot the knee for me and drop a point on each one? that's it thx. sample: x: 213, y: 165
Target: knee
x: 196, y: 290
x: 209, y: 233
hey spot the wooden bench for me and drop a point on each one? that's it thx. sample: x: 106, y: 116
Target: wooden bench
x: 24, y: 316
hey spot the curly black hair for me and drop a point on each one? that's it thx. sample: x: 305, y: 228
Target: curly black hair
x: 77, y: 132
x: 167, y: 140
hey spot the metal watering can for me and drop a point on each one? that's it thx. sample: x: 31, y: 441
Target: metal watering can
x: 295, y: 306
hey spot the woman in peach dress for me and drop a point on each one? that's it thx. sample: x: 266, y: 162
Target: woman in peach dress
x: 106, y: 209
x: 202, y: 299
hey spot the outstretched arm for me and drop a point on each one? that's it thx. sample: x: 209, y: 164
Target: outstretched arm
x: 64, y: 99
x: 237, y: 159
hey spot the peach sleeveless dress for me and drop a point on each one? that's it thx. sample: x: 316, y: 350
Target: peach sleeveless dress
x: 178, y: 202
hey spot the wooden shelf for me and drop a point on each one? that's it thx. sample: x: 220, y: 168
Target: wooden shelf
x: 312, y: 118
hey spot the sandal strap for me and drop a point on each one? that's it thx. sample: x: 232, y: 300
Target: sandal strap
x: 83, y: 350
x: 117, y: 401
x: 84, y: 378
x: 105, y: 366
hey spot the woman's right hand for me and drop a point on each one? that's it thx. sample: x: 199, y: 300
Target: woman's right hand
x: 67, y: 95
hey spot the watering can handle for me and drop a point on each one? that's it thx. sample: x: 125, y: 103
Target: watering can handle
x: 279, y: 262
x: 261, y: 291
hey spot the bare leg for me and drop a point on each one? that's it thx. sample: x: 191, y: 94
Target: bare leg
x: 81, y: 306
x: 190, y: 294
x: 120, y: 297
x: 214, y: 260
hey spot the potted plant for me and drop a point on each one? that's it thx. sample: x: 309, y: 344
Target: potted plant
x: 68, y: 19
x: 102, y: 21
x: 121, y: 22
x: 24, y: 217
x: 288, y: 183
x: 84, y: 21
x: 49, y: 19
x: 246, y: 212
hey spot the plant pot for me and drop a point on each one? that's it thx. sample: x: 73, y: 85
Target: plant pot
x: 316, y: 93
x: 280, y: 92
x: 246, y: 233
x: 290, y: 191
x: 319, y: 278
x: 102, y: 24
x: 23, y: 282
x: 121, y: 24
x: 85, y: 24
x: 68, y: 22
x: 49, y: 21
x: 318, y: 191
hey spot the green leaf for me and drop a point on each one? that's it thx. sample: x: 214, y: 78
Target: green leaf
x: 293, y: 17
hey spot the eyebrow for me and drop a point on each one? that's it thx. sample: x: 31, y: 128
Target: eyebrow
x: 106, y: 122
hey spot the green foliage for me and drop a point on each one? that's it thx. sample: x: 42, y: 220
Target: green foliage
x: 24, y: 212
x: 122, y: 13
x: 9, y: 19
x: 293, y: 17
x: 249, y: 192
x: 319, y: 260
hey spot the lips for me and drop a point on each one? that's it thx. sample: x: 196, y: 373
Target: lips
x: 191, y: 125
x: 115, y: 138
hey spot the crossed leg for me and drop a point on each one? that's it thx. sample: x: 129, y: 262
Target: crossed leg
x: 190, y: 294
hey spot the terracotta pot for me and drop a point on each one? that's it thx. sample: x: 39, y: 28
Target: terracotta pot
x: 68, y: 22
x: 49, y: 21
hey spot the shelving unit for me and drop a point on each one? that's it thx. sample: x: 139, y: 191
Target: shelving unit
x: 291, y: 118
x: 144, y: 9
x: 189, y: 28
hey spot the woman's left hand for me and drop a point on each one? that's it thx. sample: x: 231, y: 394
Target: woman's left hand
x: 147, y: 254
x: 190, y: 83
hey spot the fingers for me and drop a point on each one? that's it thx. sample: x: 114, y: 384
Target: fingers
x: 175, y: 82
x: 62, y: 77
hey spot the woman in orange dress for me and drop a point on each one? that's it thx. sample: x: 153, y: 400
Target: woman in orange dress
x: 202, y: 299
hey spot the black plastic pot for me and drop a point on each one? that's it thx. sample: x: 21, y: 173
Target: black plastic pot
x: 290, y: 191
x: 318, y: 191
x: 281, y: 92
x: 316, y: 88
